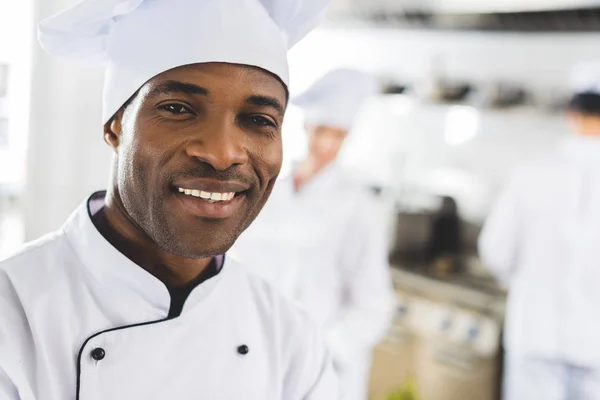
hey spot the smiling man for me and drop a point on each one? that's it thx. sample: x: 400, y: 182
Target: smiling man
x: 132, y: 298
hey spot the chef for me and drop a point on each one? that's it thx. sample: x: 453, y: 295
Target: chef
x: 322, y: 238
x: 132, y: 297
x: 542, y: 240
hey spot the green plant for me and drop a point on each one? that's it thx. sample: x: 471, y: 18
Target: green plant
x: 408, y: 391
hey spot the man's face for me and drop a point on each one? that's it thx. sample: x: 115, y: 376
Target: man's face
x: 325, y: 142
x: 199, y: 149
x: 584, y: 124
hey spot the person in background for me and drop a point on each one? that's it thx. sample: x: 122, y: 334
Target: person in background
x: 542, y: 241
x: 322, y: 239
x: 132, y: 298
x: 444, y: 247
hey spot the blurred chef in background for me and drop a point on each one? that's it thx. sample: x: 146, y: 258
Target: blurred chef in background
x: 444, y: 247
x: 322, y: 239
x: 543, y: 241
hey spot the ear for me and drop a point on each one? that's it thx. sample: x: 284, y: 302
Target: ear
x: 573, y: 117
x: 113, y: 130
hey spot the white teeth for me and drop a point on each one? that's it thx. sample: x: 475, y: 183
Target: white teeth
x: 213, y: 197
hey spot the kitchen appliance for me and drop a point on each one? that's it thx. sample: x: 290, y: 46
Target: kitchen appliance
x: 446, y: 337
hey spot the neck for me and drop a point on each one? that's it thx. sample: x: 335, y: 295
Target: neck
x: 591, y: 134
x: 118, y: 228
x: 306, y: 170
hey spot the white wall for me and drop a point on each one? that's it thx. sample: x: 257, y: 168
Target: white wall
x: 538, y: 60
x: 464, y: 6
x: 67, y: 158
x: 15, y: 50
x: 401, y: 143
x: 473, y: 6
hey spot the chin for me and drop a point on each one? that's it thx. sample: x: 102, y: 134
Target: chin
x: 323, y: 157
x: 196, y: 238
x: 196, y: 252
x: 196, y: 246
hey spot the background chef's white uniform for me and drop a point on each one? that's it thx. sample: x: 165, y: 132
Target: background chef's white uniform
x: 543, y: 241
x: 71, y: 293
x: 325, y: 246
x: 78, y: 320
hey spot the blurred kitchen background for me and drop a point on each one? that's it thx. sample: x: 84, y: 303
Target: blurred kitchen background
x: 472, y: 88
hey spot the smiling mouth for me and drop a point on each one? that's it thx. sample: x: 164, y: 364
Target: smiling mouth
x: 211, y: 205
x: 211, y: 197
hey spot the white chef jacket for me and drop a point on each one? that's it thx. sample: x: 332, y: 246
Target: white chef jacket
x: 543, y: 240
x: 325, y: 248
x: 70, y: 296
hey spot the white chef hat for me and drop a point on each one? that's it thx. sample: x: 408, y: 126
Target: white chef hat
x: 336, y: 98
x: 585, y: 78
x: 139, y: 39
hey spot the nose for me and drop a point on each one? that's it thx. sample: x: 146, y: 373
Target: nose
x: 220, y: 146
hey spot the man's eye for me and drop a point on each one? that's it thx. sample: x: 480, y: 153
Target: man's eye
x: 177, y: 109
x: 263, y: 121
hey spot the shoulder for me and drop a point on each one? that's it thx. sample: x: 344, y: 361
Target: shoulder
x: 269, y: 300
x: 306, y: 362
x: 351, y: 187
x: 540, y: 174
x: 287, y: 319
x: 34, y: 256
x: 24, y: 275
x: 542, y: 166
x: 39, y: 267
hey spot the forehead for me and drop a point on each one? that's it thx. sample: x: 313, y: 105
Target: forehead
x: 223, y: 78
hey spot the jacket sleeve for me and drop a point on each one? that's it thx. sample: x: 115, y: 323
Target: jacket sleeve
x: 8, y: 390
x: 14, y: 345
x: 309, y: 374
x: 499, y: 239
x: 368, y: 292
x: 324, y: 382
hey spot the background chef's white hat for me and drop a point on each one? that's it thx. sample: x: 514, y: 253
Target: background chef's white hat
x: 585, y: 78
x: 139, y: 39
x: 335, y: 99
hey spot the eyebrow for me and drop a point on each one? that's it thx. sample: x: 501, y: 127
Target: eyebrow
x: 169, y: 87
x: 266, y: 101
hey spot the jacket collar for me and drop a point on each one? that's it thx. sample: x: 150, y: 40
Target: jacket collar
x: 323, y: 180
x: 582, y: 149
x: 114, y: 271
